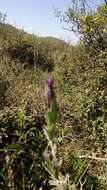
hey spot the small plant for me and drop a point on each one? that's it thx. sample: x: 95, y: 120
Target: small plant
x: 52, y: 163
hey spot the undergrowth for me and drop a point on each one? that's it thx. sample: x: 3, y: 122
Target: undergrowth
x: 80, y: 138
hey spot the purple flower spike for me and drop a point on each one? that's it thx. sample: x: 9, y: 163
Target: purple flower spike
x: 49, y: 92
x: 50, y: 82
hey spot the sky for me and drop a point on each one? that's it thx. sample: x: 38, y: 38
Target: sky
x: 37, y: 16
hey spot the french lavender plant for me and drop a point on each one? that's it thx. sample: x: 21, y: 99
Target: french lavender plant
x: 51, y: 114
x: 52, y: 163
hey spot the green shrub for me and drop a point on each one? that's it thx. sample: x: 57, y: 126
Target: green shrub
x: 24, y: 144
x: 32, y: 53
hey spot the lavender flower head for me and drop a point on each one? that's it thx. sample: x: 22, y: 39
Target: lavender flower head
x: 49, y: 92
x: 50, y: 82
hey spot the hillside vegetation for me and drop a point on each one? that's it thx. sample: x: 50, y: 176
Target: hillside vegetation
x: 80, y: 73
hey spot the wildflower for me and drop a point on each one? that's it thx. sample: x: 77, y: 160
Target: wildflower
x: 49, y: 92
x: 51, y: 103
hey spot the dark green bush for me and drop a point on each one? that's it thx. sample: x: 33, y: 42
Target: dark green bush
x: 21, y: 138
x: 32, y: 54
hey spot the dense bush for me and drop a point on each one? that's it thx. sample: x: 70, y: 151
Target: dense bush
x: 23, y: 143
x: 32, y: 54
